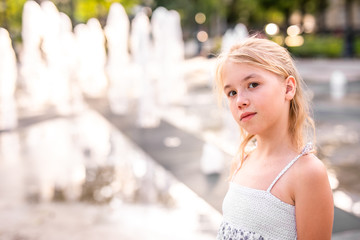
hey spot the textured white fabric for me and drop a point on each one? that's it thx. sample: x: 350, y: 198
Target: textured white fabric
x: 257, y: 214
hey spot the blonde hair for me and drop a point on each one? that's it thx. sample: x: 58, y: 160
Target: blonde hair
x: 270, y: 56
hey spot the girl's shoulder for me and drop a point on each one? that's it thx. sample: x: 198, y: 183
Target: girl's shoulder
x: 313, y: 199
x: 310, y: 174
x: 309, y: 166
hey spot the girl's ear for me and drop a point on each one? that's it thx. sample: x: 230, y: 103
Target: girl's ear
x: 290, y: 88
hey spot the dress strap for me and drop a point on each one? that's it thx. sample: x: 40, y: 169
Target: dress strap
x: 308, y: 148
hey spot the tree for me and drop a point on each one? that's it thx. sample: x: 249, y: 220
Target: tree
x: 79, y: 11
x: 349, y: 32
x: 214, y: 10
x: 11, y: 12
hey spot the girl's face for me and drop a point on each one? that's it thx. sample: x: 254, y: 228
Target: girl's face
x: 257, y: 98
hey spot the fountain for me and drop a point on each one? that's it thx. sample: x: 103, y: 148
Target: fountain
x: 142, y: 51
x: 57, y: 66
x: 232, y: 36
x: 338, y: 83
x: 8, y: 77
x: 33, y: 71
x: 74, y: 101
x: 90, y: 42
x: 169, y: 55
x: 117, y: 69
x: 56, y: 28
x: 212, y: 159
x: 48, y: 59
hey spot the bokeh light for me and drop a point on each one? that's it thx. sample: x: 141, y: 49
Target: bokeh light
x: 272, y: 29
x: 200, y: 18
x: 202, y: 36
x: 309, y: 23
x: 294, y: 41
x: 293, y: 30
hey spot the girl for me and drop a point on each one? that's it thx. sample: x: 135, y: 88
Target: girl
x: 279, y: 190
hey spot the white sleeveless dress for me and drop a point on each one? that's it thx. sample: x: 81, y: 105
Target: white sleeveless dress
x: 257, y: 214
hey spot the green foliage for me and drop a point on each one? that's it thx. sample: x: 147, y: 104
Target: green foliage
x: 357, y: 47
x: 323, y: 46
x: 79, y: 10
x: 213, y: 9
x: 219, y: 16
x: 249, y: 12
x: 11, y: 15
x: 86, y: 9
x: 275, y: 16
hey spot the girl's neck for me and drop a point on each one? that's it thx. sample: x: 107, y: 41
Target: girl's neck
x: 276, y: 140
x: 273, y: 147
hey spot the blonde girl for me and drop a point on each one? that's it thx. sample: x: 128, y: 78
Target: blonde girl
x: 280, y: 189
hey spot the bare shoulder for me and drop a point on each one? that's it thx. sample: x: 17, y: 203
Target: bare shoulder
x: 310, y: 175
x: 309, y: 168
x: 313, y: 199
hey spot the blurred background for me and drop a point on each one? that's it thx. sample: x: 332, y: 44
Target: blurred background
x: 109, y: 126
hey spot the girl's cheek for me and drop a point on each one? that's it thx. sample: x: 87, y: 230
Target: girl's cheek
x: 231, y: 104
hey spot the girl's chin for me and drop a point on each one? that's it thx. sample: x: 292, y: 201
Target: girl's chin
x: 249, y: 130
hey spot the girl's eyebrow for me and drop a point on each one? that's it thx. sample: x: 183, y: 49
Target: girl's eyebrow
x: 251, y: 75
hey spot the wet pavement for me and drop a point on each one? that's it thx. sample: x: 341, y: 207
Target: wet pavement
x: 97, y: 175
x: 80, y: 178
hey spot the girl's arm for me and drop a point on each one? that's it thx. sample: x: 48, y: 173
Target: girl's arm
x: 314, y: 204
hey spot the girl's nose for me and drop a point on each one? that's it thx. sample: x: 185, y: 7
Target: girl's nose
x: 242, y: 101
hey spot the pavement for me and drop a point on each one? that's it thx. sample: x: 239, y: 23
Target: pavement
x: 95, y: 174
x: 79, y: 177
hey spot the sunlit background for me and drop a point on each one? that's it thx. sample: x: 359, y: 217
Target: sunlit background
x: 109, y: 127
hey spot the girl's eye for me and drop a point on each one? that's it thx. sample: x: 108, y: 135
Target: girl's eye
x: 253, y: 85
x: 231, y: 93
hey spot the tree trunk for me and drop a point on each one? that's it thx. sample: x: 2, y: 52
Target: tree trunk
x: 321, y: 7
x: 3, y: 15
x: 349, y: 32
x: 72, y: 12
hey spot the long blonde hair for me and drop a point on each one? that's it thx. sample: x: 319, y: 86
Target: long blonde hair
x: 270, y: 56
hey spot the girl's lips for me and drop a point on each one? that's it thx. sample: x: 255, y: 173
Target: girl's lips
x: 247, y: 116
